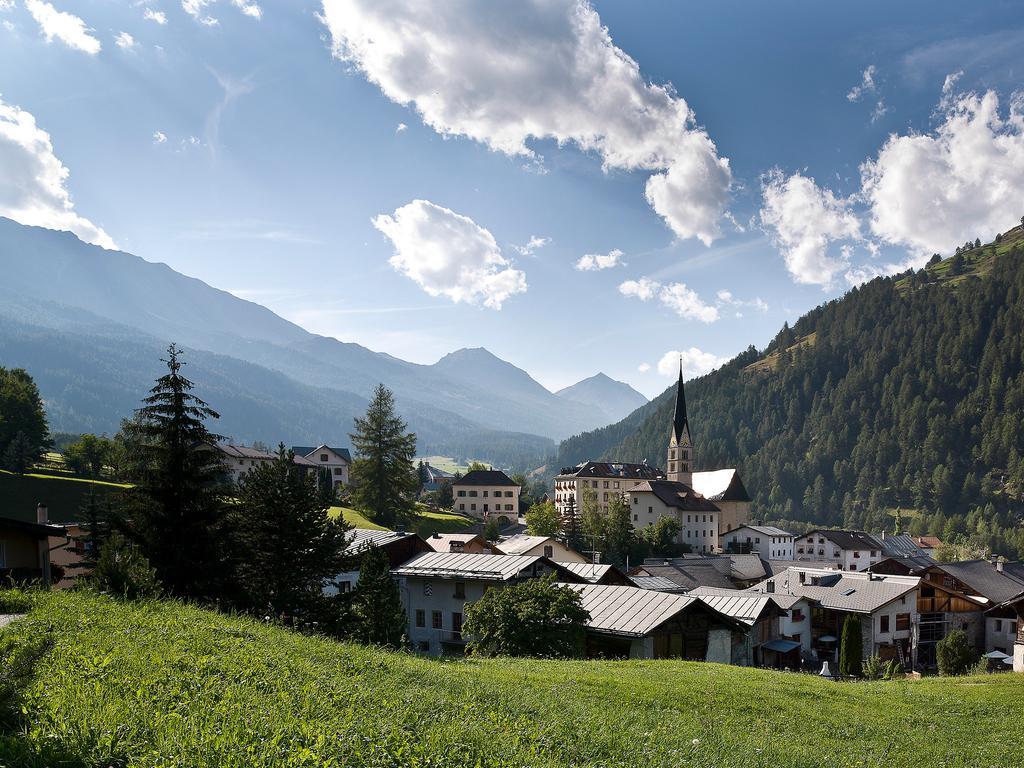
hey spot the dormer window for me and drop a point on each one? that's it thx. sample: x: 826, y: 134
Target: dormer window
x: 323, y: 457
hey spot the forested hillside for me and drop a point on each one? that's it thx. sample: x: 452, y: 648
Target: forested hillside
x: 906, y: 394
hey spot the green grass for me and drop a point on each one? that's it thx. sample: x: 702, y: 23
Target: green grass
x: 63, y: 495
x: 428, y: 523
x: 160, y: 684
x: 444, y: 463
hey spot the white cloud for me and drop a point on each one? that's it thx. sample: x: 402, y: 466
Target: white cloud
x: 595, y: 261
x: 156, y: 16
x: 6, y: 5
x: 448, y: 254
x: 197, y: 10
x: 159, y: 137
x: 681, y: 299
x: 644, y: 367
x: 32, y: 181
x: 66, y: 27
x: 865, y: 86
x: 804, y: 220
x: 725, y: 298
x: 932, y: 192
x: 548, y: 71
x: 695, y: 362
x: 249, y: 8
x: 532, y: 245
x: 401, y: 127
x: 125, y: 41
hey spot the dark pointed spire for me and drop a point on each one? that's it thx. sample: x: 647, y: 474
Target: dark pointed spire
x: 680, y: 423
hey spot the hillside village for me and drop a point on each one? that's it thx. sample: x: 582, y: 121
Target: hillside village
x: 735, y: 592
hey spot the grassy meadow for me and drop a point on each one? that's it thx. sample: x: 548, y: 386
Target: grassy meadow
x: 428, y: 523
x: 65, y: 495
x: 162, y: 684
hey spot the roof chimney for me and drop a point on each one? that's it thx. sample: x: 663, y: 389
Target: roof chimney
x: 999, y: 566
x: 770, y: 587
x: 42, y: 513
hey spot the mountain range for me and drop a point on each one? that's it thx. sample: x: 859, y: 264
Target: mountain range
x: 90, y: 325
x: 898, y: 405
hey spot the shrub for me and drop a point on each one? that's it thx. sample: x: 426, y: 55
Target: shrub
x: 851, y: 648
x: 123, y: 571
x: 15, y: 601
x: 954, y: 654
x: 893, y: 670
x: 873, y: 668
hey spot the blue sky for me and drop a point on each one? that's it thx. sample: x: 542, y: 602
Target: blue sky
x: 375, y: 172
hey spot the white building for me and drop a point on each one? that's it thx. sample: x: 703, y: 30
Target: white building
x: 240, y: 460
x: 486, y: 493
x: 769, y: 542
x: 849, y: 550
x: 605, y: 480
x: 524, y: 545
x: 337, y: 462
x: 697, y: 517
x: 436, y: 586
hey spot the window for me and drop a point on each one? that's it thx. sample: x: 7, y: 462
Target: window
x: 927, y: 591
x: 462, y: 507
x: 686, y: 455
x: 757, y: 539
x: 798, y: 613
x: 421, y: 617
x: 687, y: 534
x: 686, y: 467
x: 606, y: 485
x: 856, y: 554
x: 337, y: 470
x: 883, y: 623
x: 456, y: 621
x: 460, y: 590
x: 435, y: 620
x: 999, y: 625
x: 615, y: 484
x: 902, y: 622
x: 472, y: 507
x: 323, y: 457
x: 705, y: 519
x: 636, y: 500
x: 650, y: 510
x: 508, y: 494
x: 485, y: 494
x: 635, y: 518
x: 593, y: 483
x: 549, y: 551
x: 473, y: 494
x: 803, y: 577
x: 508, y: 507
x: 485, y: 508
x: 605, y: 497
x: 462, y: 493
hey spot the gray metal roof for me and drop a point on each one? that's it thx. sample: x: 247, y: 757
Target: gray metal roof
x: 592, y: 572
x: 983, y: 578
x: 629, y: 610
x: 743, y: 606
x: 361, y: 539
x: 657, y: 583
x: 901, y: 546
x: 467, y: 566
x: 853, y: 592
x: 521, y: 542
x: 764, y: 530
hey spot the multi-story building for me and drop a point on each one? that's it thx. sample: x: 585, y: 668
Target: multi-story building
x: 486, y: 493
x: 769, y: 542
x: 336, y: 461
x: 849, y: 550
x: 240, y: 460
x: 605, y: 480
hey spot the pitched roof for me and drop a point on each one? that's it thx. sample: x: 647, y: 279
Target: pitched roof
x: 520, y: 543
x: 599, y: 469
x: 591, y: 572
x: 468, y: 566
x: 764, y: 530
x: 675, y: 494
x: 847, y: 540
x: 680, y: 422
x: 628, y: 610
x: 485, y: 477
x: 983, y: 578
x: 243, y: 452
x: 747, y: 567
x: 912, y: 565
x: 689, y: 575
x: 743, y: 606
x: 900, y: 545
x: 720, y: 485
x: 927, y: 542
x: 305, y: 450
x: 442, y: 542
x: 38, y: 530
x: 362, y: 539
x: 858, y: 592
x: 657, y: 583
x: 434, y: 474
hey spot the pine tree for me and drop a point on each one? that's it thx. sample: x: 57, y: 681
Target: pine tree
x: 95, y: 527
x: 287, y: 546
x: 620, y: 540
x: 177, y: 510
x: 22, y: 418
x: 377, y: 605
x: 19, y: 456
x: 383, y: 475
x: 851, y: 648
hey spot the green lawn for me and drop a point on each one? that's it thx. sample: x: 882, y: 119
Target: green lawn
x: 63, y: 495
x: 429, y: 522
x: 161, y: 684
x: 444, y: 463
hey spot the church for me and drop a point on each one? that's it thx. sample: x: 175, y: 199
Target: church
x: 705, y: 504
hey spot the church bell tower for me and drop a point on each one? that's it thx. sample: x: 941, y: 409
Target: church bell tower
x: 680, y: 447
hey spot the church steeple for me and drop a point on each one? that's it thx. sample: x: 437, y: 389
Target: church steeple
x: 680, y: 447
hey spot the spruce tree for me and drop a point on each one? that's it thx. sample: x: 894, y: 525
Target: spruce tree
x: 384, y: 478
x: 95, y: 527
x: 377, y: 605
x: 177, y: 512
x: 20, y: 455
x: 287, y: 547
x: 851, y: 648
x: 22, y: 418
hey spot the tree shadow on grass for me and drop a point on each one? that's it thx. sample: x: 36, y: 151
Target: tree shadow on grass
x: 18, y: 661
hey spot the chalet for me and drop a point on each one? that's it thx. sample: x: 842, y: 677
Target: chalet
x: 240, y: 460
x: 598, y: 573
x: 767, y: 541
x: 473, y: 543
x: 436, y: 586
x: 761, y: 643
x: 686, y: 574
x: 25, y: 548
x: 929, y: 544
x: 486, y: 493
x: 399, y: 547
x: 434, y: 478
x: 887, y: 606
x: 336, y: 461
x: 525, y: 545
x: 627, y: 622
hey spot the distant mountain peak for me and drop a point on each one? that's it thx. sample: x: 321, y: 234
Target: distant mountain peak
x: 616, y: 399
